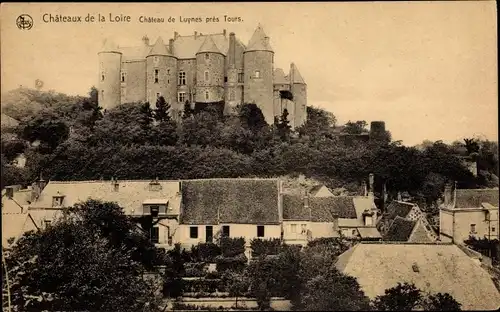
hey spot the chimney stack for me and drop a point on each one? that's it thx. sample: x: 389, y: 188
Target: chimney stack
x: 232, y: 50
x: 335, y: 222
x: 171, y: 46
x: 371, y: 181
x: 9, y: 191
x: 364, y: 188
x: 195, y: 34
x: 224, y: 32
x: 145, y: 39
x: 447, y: 194
x: 176, y: 34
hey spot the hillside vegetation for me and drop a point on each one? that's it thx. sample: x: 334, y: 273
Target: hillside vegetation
x: 69, y: 138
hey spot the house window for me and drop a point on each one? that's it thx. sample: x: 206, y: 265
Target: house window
x: 123, y: 77
x: 207, y: 95
x: 206, y: 75
x: 181, y: 97
x: 303, y: 228
x: 293, y: 228
x: 240, y: 78
x: 193, y: 232
x: 57, y: 201
x: 473, y: 228
x: 207, y: 56
x: 257, y: 74
x: 225, y: 230
x: 353, y: 232
x: 260, y: 231
x: 47, y: 223
x: 116, y: 187
x: 182, y: 78
x: 155, y: 235
x: 155, y: 210
x: 156, y: 75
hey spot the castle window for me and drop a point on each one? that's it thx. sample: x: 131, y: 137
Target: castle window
x: 102, y: 94
x: 123, y: 77
x: 156, y: 75
x: 207, y: 95
x: 182, y: 78
x: 240, y: 78
x: 257, y: 74
x: 168, y: 71
x: 231, y: 95
x: 225, y: 79
x: 102, y: 76
x: 158, y: 94
x: 181, y: 97
x: 206, y: 75
x: 207, y: 56
x: 156, y: 59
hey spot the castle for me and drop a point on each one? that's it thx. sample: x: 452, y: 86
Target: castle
x: 212, y: 68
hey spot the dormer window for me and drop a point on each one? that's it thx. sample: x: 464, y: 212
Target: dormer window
x: 154, y: 210
x: 154, y: 186
x: 47, y: 223
x: 116, y: 186
x: 57, y: 201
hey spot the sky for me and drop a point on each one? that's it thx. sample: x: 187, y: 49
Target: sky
x: 428, y: 69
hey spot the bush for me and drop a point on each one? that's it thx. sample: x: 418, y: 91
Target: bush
x: 231, y: 247
x: 265, y: 247
x: 203, y: 286
x: 205, y: 252
x: 235, y: 264
x: 195, y: 269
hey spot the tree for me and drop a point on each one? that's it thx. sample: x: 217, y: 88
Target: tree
x: 251, y: 116
x: 161, y: 113
x: 174, y: 271
x: 237, y: 284
x: 47, y: 128
x: 188, y: 112
x: 357, y: 127
x: 283, y: 126
x: 471, y: 145
x: 441, y: 302
x: 146, y: 116
x: 81, y: 263
x: 403, y: 297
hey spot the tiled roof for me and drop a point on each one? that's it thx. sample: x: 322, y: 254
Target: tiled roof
x: 279, y: 77
x: 259, y: 41
x: 209, y: 46
x: 398, y: 208
x: 109, y: 46
x: 324, y: 207
x: 159, y: 48
x: 400, y: 230
x: 130, y: 195
x: 369, y: 232
x: 472, y: 198
x: 293, y: 208
x: 247, y: 201
x: 134, y: 53
x: 15, y: 225
x: 441, y: 268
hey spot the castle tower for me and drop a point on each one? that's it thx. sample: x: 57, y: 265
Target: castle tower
x: 299, y: 90
x: 161, y: 74
x: 258, y: 61
x: 281, y: 83
x: 209, y: 73
x: 110, y: 59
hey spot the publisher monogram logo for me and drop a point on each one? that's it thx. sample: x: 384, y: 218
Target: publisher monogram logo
x: 24, y: 22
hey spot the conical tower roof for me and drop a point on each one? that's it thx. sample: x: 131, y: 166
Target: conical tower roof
x: 279, y: 76
x: 208, y: 46
x: 259, y: 41
x: 109, y: 45
x: 295, y: 76
x: 159, y: 48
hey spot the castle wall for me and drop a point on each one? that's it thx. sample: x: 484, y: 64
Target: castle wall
x: 166, y: 85
x: 299, y: 92
x: 109, y: 88
x: 189, y: 67
x: 259, y: 90
x: 134, y: 87
x: 214, y: 86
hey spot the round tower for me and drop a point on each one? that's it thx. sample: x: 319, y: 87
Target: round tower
x: 161, y: 74
x: 110, y: 61
x: 258, y: 60
x: 298, y: 88
x: 209, y: 73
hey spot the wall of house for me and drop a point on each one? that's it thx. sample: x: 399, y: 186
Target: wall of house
x: 445, y: 225
x: 247, y: 231
x: 483, y: 228
x: 322, y: 229
x: 349, y: 232
x: 167, y: 227
x: 292, y: 232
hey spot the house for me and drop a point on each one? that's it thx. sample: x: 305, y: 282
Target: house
x: 433, y: 268
x: 248, y: 208
x: 405, y: 222
x: 159, y: 199
x: 306, y: 218
x: 469, y: 212
x: 15, y: 217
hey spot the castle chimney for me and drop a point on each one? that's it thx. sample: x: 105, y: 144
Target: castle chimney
x: 195, y: 34
x: 364, y: 189
x: 371, y: 181
x: 171, y: 46
x: 335, y: 222
x: 232, y: 50
x: 176, y: 34
x: 9, y: 191
x: 145, y: 39
x: 224, y: 32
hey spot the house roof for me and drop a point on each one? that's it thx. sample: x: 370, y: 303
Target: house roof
x: 18, y: 202
x: 130, y: 195
x: 279, y: 77
x: 186, y: 47
x: 324, y: 207
x: 369, y: 232
x: 214, y: 201
x: 294, y: 209
x: 209, y: 46
x: 15, y: 225
x: 441, y: 268
x: 109, y: 46
x: 400, y: 230
x: 259, y: 41
x: 159, y: 48
x: 473, y: 198
x: 7, y: 121
x: 399, y: 209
